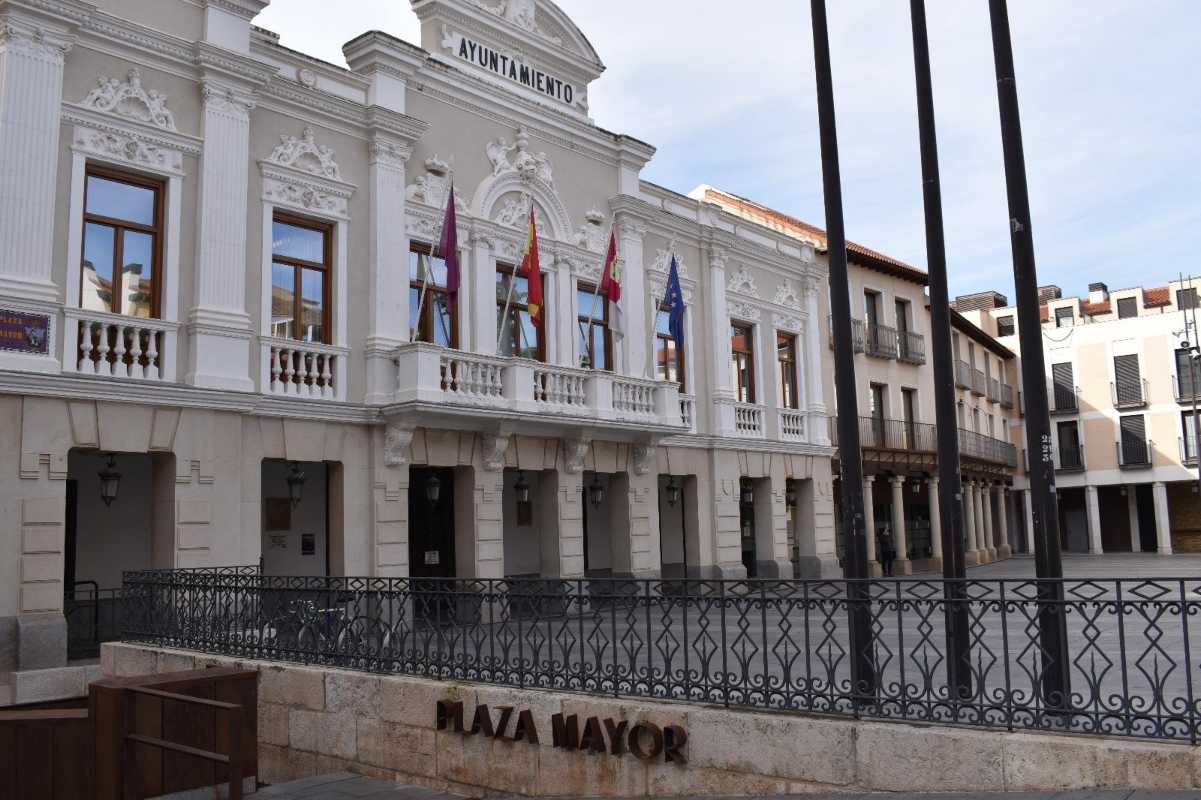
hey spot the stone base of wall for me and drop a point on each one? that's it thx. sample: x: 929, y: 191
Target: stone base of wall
x: 315, y: 721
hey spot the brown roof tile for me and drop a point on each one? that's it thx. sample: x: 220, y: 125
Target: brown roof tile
x: 1044, y: 313
x: 1155, y: 298
x: 1093, y: 309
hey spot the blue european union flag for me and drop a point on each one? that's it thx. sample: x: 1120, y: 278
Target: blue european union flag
x: 673, y: 298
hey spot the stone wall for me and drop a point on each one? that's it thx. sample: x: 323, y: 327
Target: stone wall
x: 315, y: 721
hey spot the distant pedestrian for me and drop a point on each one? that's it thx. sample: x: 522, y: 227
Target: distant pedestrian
x: 886, y: 546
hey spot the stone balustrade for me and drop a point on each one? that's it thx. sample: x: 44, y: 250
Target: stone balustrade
x: 429, y: 374
x: 792, y: 425
x: 688, y: 411
x: 303, y: 369
x: 114, y: 346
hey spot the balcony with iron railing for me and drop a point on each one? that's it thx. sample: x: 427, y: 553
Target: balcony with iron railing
x: 1186, y: 389
x: 881, y: 341
x: 857, y: 335
x: 963, y: 375
x: 1007, y: 393
x: 1070, y: 459
x: 1188, y: 451
x: 979, y: 383
x: 437, y: 379
x: 994, y: 390
x: 877, y: 433
x: 1064, y: 400
x: 911, y: 348
x: 1135, y: 454
x: 1129, y: 394
x: 986, y: 448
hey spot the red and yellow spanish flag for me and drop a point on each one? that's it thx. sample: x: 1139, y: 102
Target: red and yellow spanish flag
x: 611, y: 280
x: 532, y: 272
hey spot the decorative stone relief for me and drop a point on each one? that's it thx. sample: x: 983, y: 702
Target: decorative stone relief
x: 34, y: 42
x: 787, y: 295
x: 492, y: 451
x: 308, y: 197
x: 398, y: 446
x: 226, y: 101
x: 644, y: 458
x: 128, y: 98
x: 522, y: 13
x: 746, y: 311
x: 307, y: 78
x: 433, y: 187
x: 788, y: 323
x: 127, y: 148
x: 389, y: 154
x: 575, y: 452
x: 517, y: 158
x: 303, y: 153
x: 422, y: 227
x: 591, y: 235
x: 743, y: 282
x: 514, y: 212
x: 662, y: 263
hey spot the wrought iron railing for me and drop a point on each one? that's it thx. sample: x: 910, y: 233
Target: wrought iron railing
x: 1065, y: 400
x: 1129, y: 660
x: 93, y: 617
x: 891, y: 434
x: 1006, y: 396
x: 881, y: 341
x: 1130, y: 394
x: 1135, y: 454
x: 857, y: 336
x: 911, y: 347
x: 1071, y: 459
x: 986, y: 448
x: 963, y: 375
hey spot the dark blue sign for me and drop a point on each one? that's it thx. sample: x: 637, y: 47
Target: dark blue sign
x: 24, y: 333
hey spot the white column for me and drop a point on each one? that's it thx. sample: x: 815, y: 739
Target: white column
x: 819, y: 429
x: 1163, y: 520
x: 563, y: 345
x: 718, y: 343
x: 869, y: 527
x: 1028, y: 513
x: 935, y: 527
x: 986, y: 510
x: 32, y: 54
x: 1094, y: 521
x: 219, y: 325
x: 636, y: 344
x: 900, y: 536
x: 388, y: 266
x: 479, y: 280
x: 971, y: 556
x: 1004, y: 548
x: 1136, y: 542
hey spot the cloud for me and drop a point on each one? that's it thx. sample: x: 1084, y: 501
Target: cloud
x: 1111, y: 109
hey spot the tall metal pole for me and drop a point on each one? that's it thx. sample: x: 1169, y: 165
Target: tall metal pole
x: 1056, y: 673
x: 863, y: 672
x: 950, y: 486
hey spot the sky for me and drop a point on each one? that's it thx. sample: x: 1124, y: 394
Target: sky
x: 1110, y: 94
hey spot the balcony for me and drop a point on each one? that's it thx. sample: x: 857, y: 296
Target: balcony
x: 749, y: 420
x: 130, y: 348
x: 877, y: 433
x: 857, y: 337
x: 456, y: 383
x: 911, y: 348
x: 1129, y: 395
x: 1070, y: 459
x: 1186, y: 389
x: 1065, y: 400
x: 688, y: 412
x: 986, y: 448
x: 1007, y: 393
x: 979, y: 383
x: 305, y: 370
x: 963, y: 375
x: 1134, y: 454
x: 792, y: 425
x: 1188, y: 451
x: 881, y: 341
x: 994, y: 390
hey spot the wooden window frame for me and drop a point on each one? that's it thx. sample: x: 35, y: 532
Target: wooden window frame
x: 157, y: 231
x: 327, y: 231
x: 749, y: 354
x: 516, y: 310
x: 788, y: 379
x: 582, y: 318
x: 425, y: 325
x: 664, y: 308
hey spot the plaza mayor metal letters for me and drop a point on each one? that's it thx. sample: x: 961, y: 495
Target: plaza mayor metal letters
x: 644, y: 740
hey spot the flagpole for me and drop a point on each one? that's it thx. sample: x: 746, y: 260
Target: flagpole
x: 512, y: 283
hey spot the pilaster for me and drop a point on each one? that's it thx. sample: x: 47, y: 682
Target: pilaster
x: 480, y: 282
x: 563, y: 524
x: 819, y: 428
x: 388, y: 265
x: 390, y: 511
x: 33, y: 50
x: 636, y: 340
x: 817, y: 544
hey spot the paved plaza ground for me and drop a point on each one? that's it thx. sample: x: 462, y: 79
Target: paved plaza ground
x: 1114, y: 565
x: 345, y: 786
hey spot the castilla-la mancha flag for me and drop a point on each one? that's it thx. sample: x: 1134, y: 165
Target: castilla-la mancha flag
x: 532, y: 272
x: 611, y: 284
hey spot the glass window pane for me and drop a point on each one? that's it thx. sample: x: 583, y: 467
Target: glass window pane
x: 420, y: 264
x: 124, y: 201
x: 98, y: 248
x: 599, y: 356
x: 441, y: 316
x: 283, y: 300
x: 137, y: 275
x: 293, y: 241
x: 414, y: 300
x: 663, y: 323
x: 312, y: 306
x: 528, y: 344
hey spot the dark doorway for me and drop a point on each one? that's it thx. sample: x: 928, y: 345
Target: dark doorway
x: 1147, y: 531
x: 432, y: 523
x: 746, y: 524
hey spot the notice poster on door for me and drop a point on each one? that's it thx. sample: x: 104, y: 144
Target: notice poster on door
x: 433, y: 558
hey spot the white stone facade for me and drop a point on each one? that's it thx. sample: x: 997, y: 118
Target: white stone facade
x: 208, y: 400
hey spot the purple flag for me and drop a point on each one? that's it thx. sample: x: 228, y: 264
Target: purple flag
x: 448, y: 247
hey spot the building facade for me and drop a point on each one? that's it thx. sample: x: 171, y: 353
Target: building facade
x: 1121, y: 384
x: 227, y: 337
x: 895, y: 387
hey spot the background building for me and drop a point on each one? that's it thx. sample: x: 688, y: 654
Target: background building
x: 1122, y: 391
x: 895, y: 386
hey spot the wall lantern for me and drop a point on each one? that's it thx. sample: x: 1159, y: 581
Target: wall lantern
x: 596, y: 492
x: 296, y: 481
x: 673, y: 493
x: 433, y: 490
x: 790, y: 494
x: 522, y: 487
x: 917, y: 487
x: 110, y: 480
x: 748, y: 492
